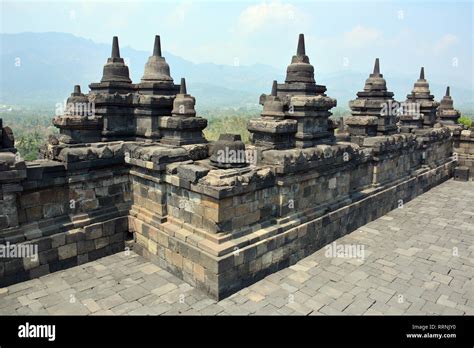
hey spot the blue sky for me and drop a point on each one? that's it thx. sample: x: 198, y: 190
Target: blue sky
x: 340, y: 35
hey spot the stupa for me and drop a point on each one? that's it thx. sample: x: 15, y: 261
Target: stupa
x: 113, y: 97
x: 446, y: 114
x: 78, y: 124
x: 272, y: 130
x: 419, y: 110
x: 156, y: 93
x: 305, y: 102
x: 374, y: 112
x: 229, y: 152
x: 7, y: 140
x: 12, y: 172
x: 182, y: 127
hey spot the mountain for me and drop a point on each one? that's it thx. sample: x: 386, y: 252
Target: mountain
x: 42, y: 68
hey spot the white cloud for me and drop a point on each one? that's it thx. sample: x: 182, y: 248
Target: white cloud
x: 361, y: 36
x: 256, y: 17
x: 445, y: 42
x: 178, y: 15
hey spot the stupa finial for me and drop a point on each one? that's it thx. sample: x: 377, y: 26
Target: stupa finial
x: 301, y: 51
x: 157, y: 46
x: 422, y: 73
x: 447, y: 91
x: 377, y: 67
x: 274, y: 88
x: 182, y: 88
x: 115, y: 48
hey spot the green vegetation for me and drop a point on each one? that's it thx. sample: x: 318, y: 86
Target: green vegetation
x: 228, y: 121
x: 465, y: 120
x: 234, y: 120
x: 31, y: 129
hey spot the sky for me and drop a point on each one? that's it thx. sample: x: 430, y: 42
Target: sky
x: 340, y: 35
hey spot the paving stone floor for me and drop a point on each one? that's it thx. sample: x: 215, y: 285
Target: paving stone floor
x: 418, y: 259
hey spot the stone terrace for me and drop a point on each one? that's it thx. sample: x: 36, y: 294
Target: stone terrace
x: 419, y: 259
x: 131, y: 166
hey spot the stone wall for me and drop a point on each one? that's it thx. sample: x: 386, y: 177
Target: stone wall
x: 218, y: 229
x: 395, y: 158
x: 464, y: 149
x: 221, y: 238
x: 71, y: 217
x: 138, y: 167
x: 221, y: 266
x: 8, y: 208
x: 64, y: 249
x: 244, y: 266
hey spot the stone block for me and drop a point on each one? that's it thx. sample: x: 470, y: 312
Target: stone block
x: 3, y: 221
x: 192, y: 172
x: 93, y: 231
x: 245, y: 220
x: 57, y: 240
x: 85, y: 246
x: 34, y: 213
x: 52, y: 210
x: 101, y: 242
x: 48, y: 256
x: 67, y: 251
x: 461, y: 174
x: 74, y: 236
x: 30, y: 199
x: 83, y: 258
x: 210, y: 202
x: 14, y: 266
x: 211, y: 214
x: 48, y: 196
x: 117, y: 237
x: 196, y: 220
x: 89, y: 204
x: 43, y: 243
x: 121, y: 224
x: 39, y: 271
x: 199, y: 273
x: 31, y: 262
x: 108, y: 228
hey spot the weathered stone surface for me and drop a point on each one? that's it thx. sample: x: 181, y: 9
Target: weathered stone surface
x: 300, y: 70
x: 325, y: 282
x: 272, y: 130
x: 78, y: 124
x: 113, y: 97
x: 461, y: 173
x: 420, y: 108
x: 446, y: 114
x: 156, y: 69
x: 8, y: 140
x: 374, y: 111
x: 67, y: 251
x: 219, y: 215
x: 192, y: 172
x: 156, y: 93
x: 305, y: 102
x: 115, y: 70
x: 183, y: 127
x: 229, y: 152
